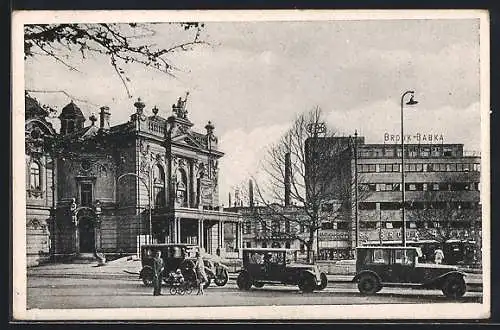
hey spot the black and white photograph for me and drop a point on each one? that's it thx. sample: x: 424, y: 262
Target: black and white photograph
x: 219, y: 165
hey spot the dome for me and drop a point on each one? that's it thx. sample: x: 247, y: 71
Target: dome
x: 71, y: 111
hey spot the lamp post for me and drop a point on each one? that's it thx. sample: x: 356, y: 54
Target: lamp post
x: 148, y: 189
x: 356, y: 217
x: 410, y: 102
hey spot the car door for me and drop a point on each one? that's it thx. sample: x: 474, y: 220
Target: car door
x: 403, y: 265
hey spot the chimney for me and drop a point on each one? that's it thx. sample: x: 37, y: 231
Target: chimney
x: 229, y: 199
x: 104, y: 116
x: 250, y: 192
x: 288, y: 175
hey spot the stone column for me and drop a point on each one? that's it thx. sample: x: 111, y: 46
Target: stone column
x: 200, y: 233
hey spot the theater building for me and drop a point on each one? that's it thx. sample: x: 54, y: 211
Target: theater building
x: 150, y: 179
x: 442, y: 199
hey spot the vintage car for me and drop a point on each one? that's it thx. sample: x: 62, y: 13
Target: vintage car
x: 378, y: 266
x: 278, y: 266
x: 180, y: 256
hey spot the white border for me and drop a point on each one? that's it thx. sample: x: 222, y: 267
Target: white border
x: 340, y: 312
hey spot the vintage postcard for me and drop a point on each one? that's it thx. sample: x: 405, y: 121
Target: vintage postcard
x: 244, y: 165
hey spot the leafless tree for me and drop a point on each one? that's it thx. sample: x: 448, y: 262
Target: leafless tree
x: 320, y: 173
x: 120, y: 43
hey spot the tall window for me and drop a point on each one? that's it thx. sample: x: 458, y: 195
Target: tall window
x: 86, y: 194
x: 35, y: 175
x: 159, y: 186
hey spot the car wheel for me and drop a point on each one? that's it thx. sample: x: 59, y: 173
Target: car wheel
x: 243, y: 281
x: 222, y: 279
x: 369, y: 284
x: 454, y: 287
x: 258, y: 284
x: 307, y: 284
x: 324, y: 281
x: 173, y: 290
x: 147, y: 281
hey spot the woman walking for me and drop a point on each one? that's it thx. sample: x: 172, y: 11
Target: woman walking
x: 200, y: 273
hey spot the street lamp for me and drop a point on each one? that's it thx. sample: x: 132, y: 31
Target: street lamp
x: 148, y: 189
x: 410, y: 102
x: 356, y: 217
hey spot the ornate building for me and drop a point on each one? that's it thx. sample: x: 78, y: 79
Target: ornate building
x: 151, y: 179
x: 39, y: 182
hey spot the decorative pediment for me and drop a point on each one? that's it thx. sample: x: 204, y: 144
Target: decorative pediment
x: 187, y: 140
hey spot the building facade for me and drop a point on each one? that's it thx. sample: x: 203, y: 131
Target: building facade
x: 442, y: 199
x: 151, y: 179
x: 40, y: 182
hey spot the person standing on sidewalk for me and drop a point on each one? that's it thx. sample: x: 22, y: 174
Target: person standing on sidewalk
x: 200, y: 273
x: 158, y: 267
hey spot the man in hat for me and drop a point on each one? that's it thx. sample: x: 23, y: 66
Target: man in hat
x: 158, y: 267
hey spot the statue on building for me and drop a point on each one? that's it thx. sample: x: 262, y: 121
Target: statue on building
x: 180, y: 108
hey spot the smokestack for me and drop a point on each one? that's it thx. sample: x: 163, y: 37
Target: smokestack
x: 104, y: 116
x: 230, y: 200
x: 288, y: 175
x: 250, y: 192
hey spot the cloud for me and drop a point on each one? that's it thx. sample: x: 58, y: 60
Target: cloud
x: 243, y: 152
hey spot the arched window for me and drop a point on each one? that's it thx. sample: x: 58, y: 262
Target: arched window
x: 159, y: 186
x: 35, y: 176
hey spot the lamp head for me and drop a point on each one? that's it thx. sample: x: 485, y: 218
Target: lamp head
x: 411, y: 101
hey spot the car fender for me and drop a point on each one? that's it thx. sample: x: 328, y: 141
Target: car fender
x: 209, y: 272
x: 146, y: 269
x: 440, y: 279
x: 310, y: 272
x: 358, y: 275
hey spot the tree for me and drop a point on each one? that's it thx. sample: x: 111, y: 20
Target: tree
x: 318, y: 173
x: 120, y: 43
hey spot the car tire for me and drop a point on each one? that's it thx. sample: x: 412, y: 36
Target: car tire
x: 243, y: 281
x: 307, y: 283
x: 258, y: 284
x: 222, y: 279
x: 369, y: 284
x: 324, y: 281
x: 147, y: 281
x: 454, y: 287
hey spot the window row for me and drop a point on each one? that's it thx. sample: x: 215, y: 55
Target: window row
x: 414, y: 205
x: 413, y: 186
x: 419, y: 167
x: 413, y: 151
x: 418, y: 224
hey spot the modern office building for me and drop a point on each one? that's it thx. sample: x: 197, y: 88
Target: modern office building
x: 113, y: 188
x: 442, y: 198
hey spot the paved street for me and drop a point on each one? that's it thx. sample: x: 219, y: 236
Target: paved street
x: 108, y: 287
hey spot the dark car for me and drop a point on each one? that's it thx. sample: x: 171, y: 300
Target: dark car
x: 377, y: 267
x: 180, y: 256
x: 278, y: 266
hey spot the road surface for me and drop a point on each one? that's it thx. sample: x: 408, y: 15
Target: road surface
x: 67, y: 293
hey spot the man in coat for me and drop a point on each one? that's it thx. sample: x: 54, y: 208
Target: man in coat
x: 158, y: 267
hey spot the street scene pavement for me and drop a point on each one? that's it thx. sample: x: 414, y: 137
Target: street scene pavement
x: 116, y: 285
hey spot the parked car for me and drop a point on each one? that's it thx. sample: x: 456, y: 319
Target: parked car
x: 278, y: 266
x: 378, y: 266
x: 180, y: 256
x: 173, y: 256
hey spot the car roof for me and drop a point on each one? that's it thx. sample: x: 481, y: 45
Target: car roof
x: 388, y: 247
x: 269, y: 250
x: 169, y: 244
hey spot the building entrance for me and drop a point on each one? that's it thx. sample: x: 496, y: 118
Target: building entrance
x: 87, y: 234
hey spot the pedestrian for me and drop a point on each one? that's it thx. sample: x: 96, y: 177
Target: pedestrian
x: 438, y: 256
x: 200, y: 273
x: 158, y: 267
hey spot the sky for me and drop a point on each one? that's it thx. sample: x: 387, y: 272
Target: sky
x: 255, y: 77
